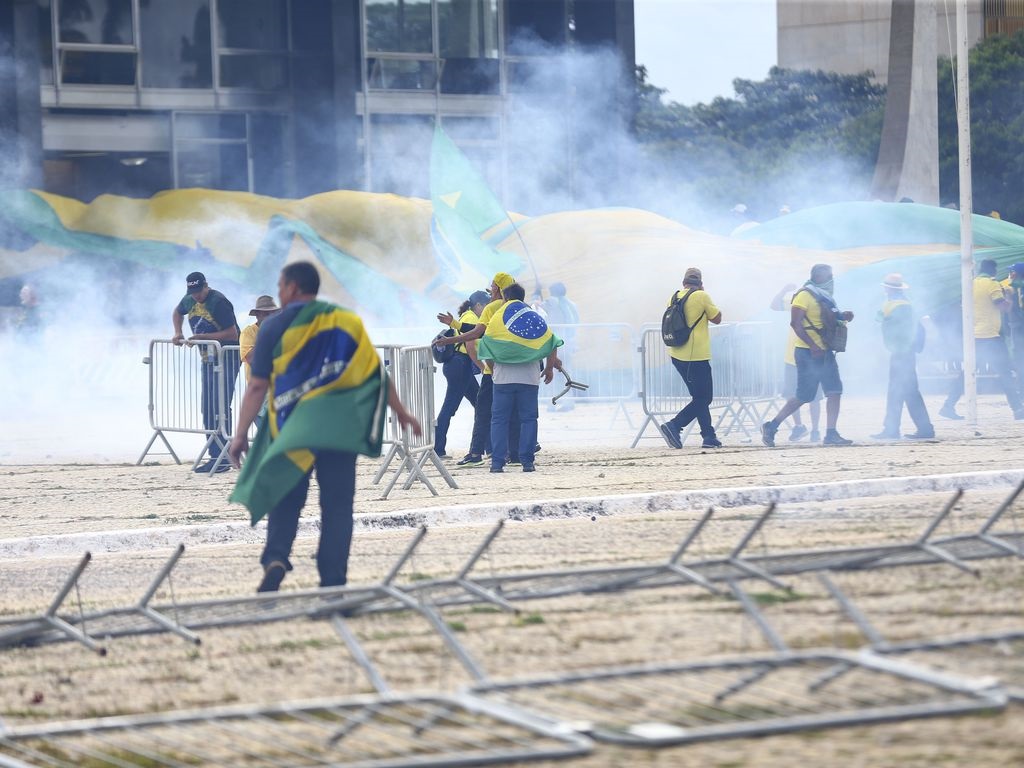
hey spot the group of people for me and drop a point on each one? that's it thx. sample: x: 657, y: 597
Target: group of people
x: 509, y: 343
x: 817, y: 331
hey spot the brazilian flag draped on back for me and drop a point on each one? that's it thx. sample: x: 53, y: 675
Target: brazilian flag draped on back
x: 328, y: 391
x: 517, y: 334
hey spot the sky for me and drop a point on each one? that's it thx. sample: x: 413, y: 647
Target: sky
x: 696, y: 48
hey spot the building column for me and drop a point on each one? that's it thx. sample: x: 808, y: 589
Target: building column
x: 20, y: 110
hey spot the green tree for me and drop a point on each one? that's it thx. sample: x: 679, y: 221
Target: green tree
x: 798, y: 138
x: 997, y: 127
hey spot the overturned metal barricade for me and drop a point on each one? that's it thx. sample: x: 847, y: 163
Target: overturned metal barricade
x: 369, y: 730
x: 412, y: 371
x: 189, y: 393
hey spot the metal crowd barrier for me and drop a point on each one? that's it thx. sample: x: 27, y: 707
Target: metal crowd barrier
x: 176, y: 394
x: 746, y: 366
x: 412, y: 370
x: 603, y: 356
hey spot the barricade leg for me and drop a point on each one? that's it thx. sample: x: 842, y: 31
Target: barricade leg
x: 157, y: 433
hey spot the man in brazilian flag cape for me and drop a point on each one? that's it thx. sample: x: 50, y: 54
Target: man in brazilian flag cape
x: 326, y: 393
x: 518, y: 341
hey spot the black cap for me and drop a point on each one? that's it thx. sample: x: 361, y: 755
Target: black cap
x: 195, y: 282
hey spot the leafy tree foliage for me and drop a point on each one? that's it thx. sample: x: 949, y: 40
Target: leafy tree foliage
x: 996, y: 67
x: 797, y: 138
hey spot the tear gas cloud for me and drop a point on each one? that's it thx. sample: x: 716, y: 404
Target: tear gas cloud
x: 568, y: 146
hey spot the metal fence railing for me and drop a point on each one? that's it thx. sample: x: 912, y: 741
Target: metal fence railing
x: 746, y: 366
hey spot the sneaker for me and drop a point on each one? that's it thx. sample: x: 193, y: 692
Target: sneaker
x: 949, y: 412
x: 470, y: 460
x: 671, y: 437
x: 711, y: 442
x: 815, y: 436
x: 798, y: 431
x: 919, y: 435
x: 768, y: 430
x: 883, y: 435
x: 832, y: 437
x: 497, y: 470
x: 444, y: 455
x: 515, y: 461
x: 529, y: 468
x: 206, y: 466
x: 273, y: 575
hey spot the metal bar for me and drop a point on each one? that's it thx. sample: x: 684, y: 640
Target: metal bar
x: 359, y: 654
x: 404, y: 557
x: 691, y: 536
x: 755, y: 614
x: 1007, y: 503
x: 69, y: 584
x: 487, y: 595
x: 865, y: 626
x: 161, y: 575
x: 948, y: 558
x: 170, y: 626
x: 756, y: 572
x: 73, y: 632
x: 388, y: 458
x: 943, y: 513
x: 481, y: 549
x: 752, y: 531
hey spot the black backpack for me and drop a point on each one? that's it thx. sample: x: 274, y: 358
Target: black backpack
x: 675, y: 332
x: 442, y: 354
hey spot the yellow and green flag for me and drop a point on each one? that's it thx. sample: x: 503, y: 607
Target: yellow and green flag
x: 517, y: 334
x: 328, y: 391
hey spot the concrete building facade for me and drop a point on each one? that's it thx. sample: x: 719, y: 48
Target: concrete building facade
x: 285, y: 97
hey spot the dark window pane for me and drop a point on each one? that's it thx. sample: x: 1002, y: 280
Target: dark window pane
x: 474, y: 128
x: 96, y: 68
x: 398, y: 26
x: 258, y: 24
x: 213, y: 166
x: 44, y: 21
x: 468, y: 28
x: 311, y: 26
x: 96, y: 21
x: 401, y: 74
x: 470, y: 76
x: 537, y: 75
x: 535, y: 24
x: 259, y: 72
x: 209, y: 125
x: 268, y: 155
x: 176, y: 44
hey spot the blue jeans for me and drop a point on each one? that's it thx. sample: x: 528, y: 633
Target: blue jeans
x: 336, y: 474
x: 461, y: 383
x: 507, y: 398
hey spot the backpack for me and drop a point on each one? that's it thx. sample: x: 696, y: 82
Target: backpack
x: 834, y: 331
x: 675, y: 331
x: 442, y: 354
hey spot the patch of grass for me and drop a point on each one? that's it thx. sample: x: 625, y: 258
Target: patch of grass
x: 456, y: 626
x: 484, y: 609
x: 528, y: 619
x: 295, y: 645
x: 417, y: 576
x: 776, y: 598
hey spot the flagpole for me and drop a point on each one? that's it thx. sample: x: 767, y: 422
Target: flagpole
x: 963, y: 119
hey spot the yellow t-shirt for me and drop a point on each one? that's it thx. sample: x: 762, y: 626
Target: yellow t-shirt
x: 698, y: 346
x: 467, y: 318
x: 806, y: 301
x: 485, y: 318
x: 246, y: 344
x: 987, y: 317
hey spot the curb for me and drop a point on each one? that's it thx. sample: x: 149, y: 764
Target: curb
x: 63, y: 545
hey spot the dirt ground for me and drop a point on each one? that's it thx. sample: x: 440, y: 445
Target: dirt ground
x: 583, y: 458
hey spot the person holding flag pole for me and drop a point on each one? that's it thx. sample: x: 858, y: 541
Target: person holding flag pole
x: 328, y: 393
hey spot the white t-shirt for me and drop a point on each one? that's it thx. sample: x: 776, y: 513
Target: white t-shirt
x: 517, y: 373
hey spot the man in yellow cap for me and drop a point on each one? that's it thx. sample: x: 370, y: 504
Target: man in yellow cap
x: 904, y: 338
x: 485, y: 396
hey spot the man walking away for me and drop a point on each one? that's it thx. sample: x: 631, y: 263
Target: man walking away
x: 1014, y: 289
x: 327, y: 393
x: 903, y: 337
x: 780, y: 304
x: 816, y: 321
x: 989, y: 304
x: 693, y: 362
x: 212, y: 318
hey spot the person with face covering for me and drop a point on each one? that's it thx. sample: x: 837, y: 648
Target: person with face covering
x: 812, y: 311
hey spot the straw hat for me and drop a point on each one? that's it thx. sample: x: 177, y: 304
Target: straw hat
x: 263, y: 304
x: 894, y: 281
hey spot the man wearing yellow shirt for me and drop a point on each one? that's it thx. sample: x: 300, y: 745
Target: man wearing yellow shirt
x: 485, y: 396
x: 693, y: 362
x: 781, y: 303
x: 265, y: 307
x: 815, y: 364
x: 460, y: 369
x: 989, y: 305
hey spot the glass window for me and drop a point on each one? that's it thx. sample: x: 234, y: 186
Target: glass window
x: 472, y: 128
x: 311, y: 26
x: 213, y: 166
x: 209, y: 125
x: 104, y: 22
x: 254, y: 24
x: 176, y: 44
x: 399, y: 26
x: 44, y: 22
x: 470, y: 76
x: 257, y: 71
x: 468, y: 28
x: 97, y: 68
x: 535, y: 24
x: 400, y: 153
x: 401, y: 74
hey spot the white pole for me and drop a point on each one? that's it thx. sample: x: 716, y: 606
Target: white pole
x: 963, y: 119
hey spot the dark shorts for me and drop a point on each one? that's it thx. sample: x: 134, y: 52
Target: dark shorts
x: 812, y: 372
x: 789, y: 384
